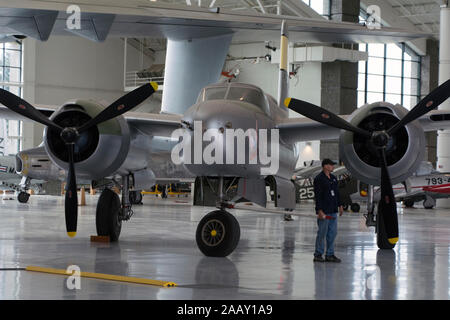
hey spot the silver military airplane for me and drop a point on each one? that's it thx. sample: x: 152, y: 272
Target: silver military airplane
x: 11, y: 180
x: 92, y: 142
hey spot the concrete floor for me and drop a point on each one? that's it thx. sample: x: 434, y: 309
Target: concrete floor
x: 272, y: 261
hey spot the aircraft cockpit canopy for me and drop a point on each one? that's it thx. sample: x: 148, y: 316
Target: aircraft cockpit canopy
x: 235, y: 91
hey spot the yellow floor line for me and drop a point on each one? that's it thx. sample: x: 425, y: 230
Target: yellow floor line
x: 104, y: 276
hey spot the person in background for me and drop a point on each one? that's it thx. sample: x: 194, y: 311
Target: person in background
x: 327, y: 206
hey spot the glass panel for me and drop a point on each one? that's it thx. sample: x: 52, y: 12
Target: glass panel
x: 362, y: 66
x: 376, y: 65
x: 249, y: 95
x: 361, y: 81
x: 374, y: 83
x: 393, y: 98
x: 360, y: 98
x: 215, y: 93
x: 394, y: 67
x: 13, y: 58
x: 393, y: 85
x: 317, y: 5
x: 12, y: 75
x: 376, y: 49
x: 12, y: 45
x: 407, y: 86
x: 409, y: 101
x: 393, y: 51
x: 374, y: 97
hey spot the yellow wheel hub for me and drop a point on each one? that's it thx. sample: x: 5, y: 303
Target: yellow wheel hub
x: 213, y: 233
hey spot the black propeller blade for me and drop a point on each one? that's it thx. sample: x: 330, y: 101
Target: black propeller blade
x: 71, y: 199
x: 430, y: 102
x: 18, y: 105
x: 122, y: 105
x: 323, y: 116
x: 387, y: 205
x: 70, y: 136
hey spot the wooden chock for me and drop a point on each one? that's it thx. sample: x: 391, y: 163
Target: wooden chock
x: 100, y: 239
x: 82, y: 196
x: 92, y: 191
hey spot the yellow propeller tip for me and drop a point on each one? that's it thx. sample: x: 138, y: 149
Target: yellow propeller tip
x: 154, y: 85
x: 393, y: 240
x: 71, y: 234
x: 287, y: 101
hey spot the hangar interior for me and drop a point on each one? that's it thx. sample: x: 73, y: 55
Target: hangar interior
x: 158, y: 241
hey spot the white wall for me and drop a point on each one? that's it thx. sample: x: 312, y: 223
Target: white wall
x: 70, y: 67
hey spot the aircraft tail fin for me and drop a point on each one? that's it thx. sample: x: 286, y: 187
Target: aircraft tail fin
x: 283, y: 79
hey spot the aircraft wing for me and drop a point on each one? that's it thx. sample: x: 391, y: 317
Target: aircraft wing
x: 303, y: 129
x: 141, y: 18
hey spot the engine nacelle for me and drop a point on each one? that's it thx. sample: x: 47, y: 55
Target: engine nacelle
x: 404, y: 152
x: 99, y: 151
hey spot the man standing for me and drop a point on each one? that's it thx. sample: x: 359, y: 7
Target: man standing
x: 327, y: 205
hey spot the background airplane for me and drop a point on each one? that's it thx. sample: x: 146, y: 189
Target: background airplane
x: 11, y: 180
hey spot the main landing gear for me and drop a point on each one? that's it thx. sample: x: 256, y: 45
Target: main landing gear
x: 111, y: 211
x: 218, y: 233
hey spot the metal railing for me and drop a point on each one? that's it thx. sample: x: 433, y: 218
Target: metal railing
x: 132, y: 80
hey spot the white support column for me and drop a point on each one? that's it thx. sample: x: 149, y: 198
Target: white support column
x: 443, y: 139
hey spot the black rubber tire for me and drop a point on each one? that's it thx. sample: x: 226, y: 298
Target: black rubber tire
x: 428, y: 207
x: 408, y: 203
x: 355, y: 207
x: 23, y: 197
x: 135, y: 197
x: 107, y: 216
x: 382, y: 239
x: 164, y: 193
x: 345, y: 207
x: 231, y: 234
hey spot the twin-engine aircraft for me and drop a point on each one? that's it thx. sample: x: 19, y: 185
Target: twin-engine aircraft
x: 234, y: 133
x: 92, y: 143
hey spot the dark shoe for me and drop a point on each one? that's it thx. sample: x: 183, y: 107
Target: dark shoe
x: 318, y: 259
x: 288, y: 217
x: 332, y: 258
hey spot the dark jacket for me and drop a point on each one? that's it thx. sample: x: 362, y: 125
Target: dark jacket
x: 326, y: 193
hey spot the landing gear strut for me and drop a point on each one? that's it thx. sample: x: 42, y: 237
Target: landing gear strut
x: 218, y: 233
x: 23, y: 195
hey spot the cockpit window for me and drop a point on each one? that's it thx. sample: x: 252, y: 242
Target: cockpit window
x: 214, y: 93
x: 245, y: 94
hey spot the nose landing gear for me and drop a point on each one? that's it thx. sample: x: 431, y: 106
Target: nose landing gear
x: 218, y: 232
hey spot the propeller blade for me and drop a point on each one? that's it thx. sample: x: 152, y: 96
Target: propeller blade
x: 323, y: 116
x: 18, y: 105
x: 387, y: 205
x: 71, y: 201
x: 430, y: 102
x: 122, y: 105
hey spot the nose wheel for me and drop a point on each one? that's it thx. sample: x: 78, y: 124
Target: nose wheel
x: 218, y: 234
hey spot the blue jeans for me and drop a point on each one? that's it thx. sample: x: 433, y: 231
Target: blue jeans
x: 327, y: 230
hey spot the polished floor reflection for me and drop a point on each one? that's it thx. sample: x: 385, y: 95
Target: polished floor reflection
x: 273, y: 259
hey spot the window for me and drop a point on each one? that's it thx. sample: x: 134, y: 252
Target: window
x: 391, y: 74
x: 243, y: 93
x: 11, y: 80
